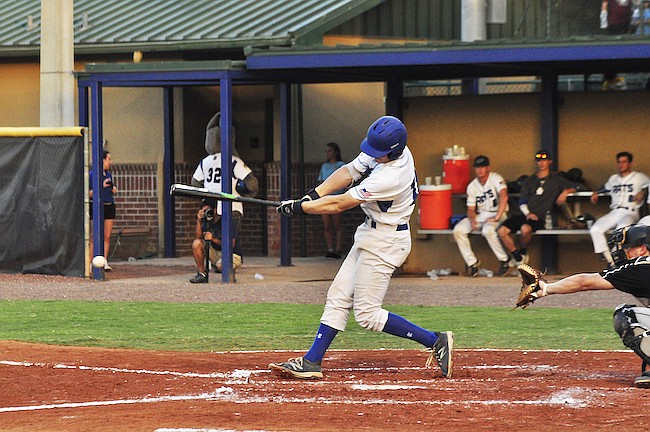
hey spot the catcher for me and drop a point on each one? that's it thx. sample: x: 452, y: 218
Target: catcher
x: 631, y: 274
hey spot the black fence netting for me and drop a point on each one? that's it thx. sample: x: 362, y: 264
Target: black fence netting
x: 42, y: 205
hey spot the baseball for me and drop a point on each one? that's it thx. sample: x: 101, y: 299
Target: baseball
x: 99, y: 261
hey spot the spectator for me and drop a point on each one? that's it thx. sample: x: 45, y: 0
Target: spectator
x: 208, y: 175
x: 487, y: 203
x: 332, y: 222
x: 615, y: 16
x: 643, y: 18
x: 628, y: 195
x: 107, y: 192
x: 540, y: 193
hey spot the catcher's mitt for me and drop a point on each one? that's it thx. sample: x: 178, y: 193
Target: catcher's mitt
x: 530, y: 289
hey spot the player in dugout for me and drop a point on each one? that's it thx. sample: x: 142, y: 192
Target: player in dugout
x: 386, y: 189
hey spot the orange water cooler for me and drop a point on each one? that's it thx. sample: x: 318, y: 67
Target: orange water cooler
x: 435, y: 206
x: 455, y: 172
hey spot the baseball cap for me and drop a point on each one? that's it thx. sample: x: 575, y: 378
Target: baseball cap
x: 542, y: 155
x: 481, y: 161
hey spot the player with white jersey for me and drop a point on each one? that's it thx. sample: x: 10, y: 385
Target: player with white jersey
x: 386, y: 193
x: 627, y: 190
x: 487, y: 203
x: 208, y: 175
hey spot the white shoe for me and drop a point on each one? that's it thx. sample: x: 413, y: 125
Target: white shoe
x: 107, y: 268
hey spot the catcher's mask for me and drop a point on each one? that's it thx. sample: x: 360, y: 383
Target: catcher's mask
x: 628, y: 237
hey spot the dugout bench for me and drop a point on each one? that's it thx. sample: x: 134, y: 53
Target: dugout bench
x: 549, y: 237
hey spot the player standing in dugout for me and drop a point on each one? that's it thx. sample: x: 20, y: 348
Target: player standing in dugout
x: 386, y: 193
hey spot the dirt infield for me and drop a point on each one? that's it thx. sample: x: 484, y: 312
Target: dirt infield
x: 48, y: 388
x: 53, y: 388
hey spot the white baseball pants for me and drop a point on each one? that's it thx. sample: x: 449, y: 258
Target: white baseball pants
x: 362, y: 281
x: 489, y: 231
x: 616, y: 218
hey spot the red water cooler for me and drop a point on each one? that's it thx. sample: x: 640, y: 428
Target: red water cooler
x: 455, y: 172
x: 435, y: 206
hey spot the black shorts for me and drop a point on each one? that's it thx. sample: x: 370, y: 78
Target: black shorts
x: 514, y: 223
x: 109, y: 210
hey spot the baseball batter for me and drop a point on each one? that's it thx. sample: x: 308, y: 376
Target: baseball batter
x: 381, y: 244
x: 631, y: 274
x: 628, y: 195
x: 487, y: 203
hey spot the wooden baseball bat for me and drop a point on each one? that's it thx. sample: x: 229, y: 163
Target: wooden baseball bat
x: 178, y: 189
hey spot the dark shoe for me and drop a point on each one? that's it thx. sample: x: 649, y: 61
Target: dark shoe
x: 199, y: 278
x: 332, y: 254
x: 504, y: 266
x: 472, y: 271
x: 441, y: 351
x: 297, y: 368
x: 643, y: 381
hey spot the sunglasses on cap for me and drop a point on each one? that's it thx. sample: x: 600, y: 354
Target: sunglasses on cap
x: 541, y: 156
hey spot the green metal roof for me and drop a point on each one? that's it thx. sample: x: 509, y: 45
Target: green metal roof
x: 102, y: 26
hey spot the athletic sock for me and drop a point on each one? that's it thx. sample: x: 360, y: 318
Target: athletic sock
x: 322, y: 341
x: 398, y: 326
x: 516, y: 255
x: 523, y: 251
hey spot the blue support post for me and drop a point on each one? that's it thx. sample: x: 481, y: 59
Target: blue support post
x: 225, y: 87
x: 98, y: 170
x: 395, y: 98
x: 285, y: 171
x: 168, y: 173
x: 549, y: 135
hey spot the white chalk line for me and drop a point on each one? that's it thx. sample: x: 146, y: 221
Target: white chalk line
x: 242, y: 377
x: 571, y: 398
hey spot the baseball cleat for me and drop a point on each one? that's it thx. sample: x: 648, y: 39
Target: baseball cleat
x: 643, y: 381
x: 441, y: 351
x: 297, y: 368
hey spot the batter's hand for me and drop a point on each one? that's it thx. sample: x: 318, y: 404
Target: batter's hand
x: 291, y: 207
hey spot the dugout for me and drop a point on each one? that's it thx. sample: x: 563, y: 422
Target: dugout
x: 393, y: 65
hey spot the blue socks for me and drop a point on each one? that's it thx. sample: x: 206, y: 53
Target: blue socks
x: 398, y: 326
x: 322, y: 341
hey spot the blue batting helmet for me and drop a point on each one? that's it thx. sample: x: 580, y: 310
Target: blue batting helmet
x: 386, y: 136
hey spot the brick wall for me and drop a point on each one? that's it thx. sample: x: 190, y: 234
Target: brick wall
x: 137, y: 208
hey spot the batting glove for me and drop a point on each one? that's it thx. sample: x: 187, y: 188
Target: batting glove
x: 291, y: 207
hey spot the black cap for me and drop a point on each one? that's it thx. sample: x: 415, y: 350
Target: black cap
x: 542, y: 155
x: 481, y: 161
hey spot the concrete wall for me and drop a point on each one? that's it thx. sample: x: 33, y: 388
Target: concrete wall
x: 341, y: 113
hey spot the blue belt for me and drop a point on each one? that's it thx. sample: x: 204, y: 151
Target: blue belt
x: 401, y: 227
x: 621, y: 207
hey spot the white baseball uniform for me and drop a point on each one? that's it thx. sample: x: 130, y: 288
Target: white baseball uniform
x: 381, y: 243
x: 485, y: 198
x: 209, y: 172
x: 624, y: 210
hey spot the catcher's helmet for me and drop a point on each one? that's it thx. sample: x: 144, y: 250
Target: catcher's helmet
x: 386, y: 136
x: 628, y: 237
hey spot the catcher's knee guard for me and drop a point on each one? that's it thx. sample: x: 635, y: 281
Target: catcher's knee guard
x: 634, y: 334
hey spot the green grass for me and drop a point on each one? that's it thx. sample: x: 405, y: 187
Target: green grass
x: 233, y: 326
